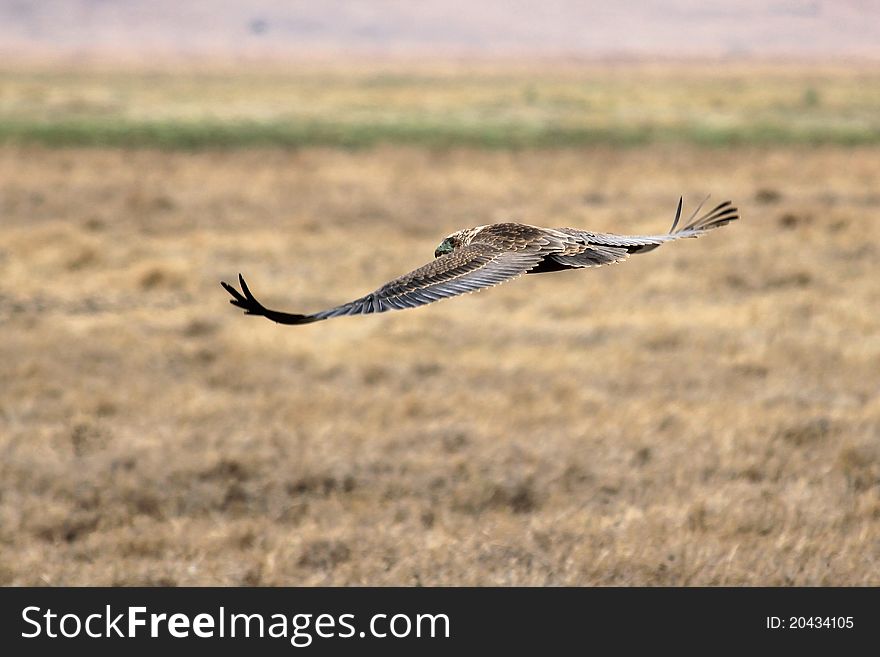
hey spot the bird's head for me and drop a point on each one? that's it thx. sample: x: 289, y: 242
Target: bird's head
x: 455, y: 240
x: 447, y: 245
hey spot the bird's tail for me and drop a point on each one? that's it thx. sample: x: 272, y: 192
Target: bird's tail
x: 721, y: 215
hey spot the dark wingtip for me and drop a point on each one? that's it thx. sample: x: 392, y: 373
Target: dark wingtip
x: 677, y: 214
x: 244, y: 288
x: 720, y: 215
x: 246, y: 301
x: 237, y: 298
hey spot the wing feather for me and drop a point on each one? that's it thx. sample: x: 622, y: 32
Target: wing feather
x: 465, y: 269
x: 593, y: 249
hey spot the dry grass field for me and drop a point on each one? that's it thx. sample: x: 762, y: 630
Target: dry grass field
x: 704, y: 414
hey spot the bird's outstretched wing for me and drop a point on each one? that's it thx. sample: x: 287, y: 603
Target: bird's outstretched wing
x: 463, y: 270
x: 587, y: 249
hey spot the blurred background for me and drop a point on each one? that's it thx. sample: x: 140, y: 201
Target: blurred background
x: 705, y: 414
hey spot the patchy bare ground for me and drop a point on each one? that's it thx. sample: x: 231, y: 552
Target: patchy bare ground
x: 704, y: 414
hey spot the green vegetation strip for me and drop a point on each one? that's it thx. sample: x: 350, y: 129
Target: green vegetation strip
x: 200, y: 135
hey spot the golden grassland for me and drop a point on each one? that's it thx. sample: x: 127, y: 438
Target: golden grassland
x: 704, y: 414
x: 452, y: 104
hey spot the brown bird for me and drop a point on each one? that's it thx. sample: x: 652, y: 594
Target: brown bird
x: 476, y: 258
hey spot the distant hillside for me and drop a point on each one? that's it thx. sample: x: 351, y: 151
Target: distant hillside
x: 269, y: 28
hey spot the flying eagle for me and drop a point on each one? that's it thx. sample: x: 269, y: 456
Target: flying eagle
x: 476, y: 258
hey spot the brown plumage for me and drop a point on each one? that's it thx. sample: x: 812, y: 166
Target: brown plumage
x: 476, y: 258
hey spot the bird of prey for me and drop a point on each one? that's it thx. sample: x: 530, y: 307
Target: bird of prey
x: 476, y: 258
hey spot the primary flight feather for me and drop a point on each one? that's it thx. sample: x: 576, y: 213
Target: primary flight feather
x: 476, y: 258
